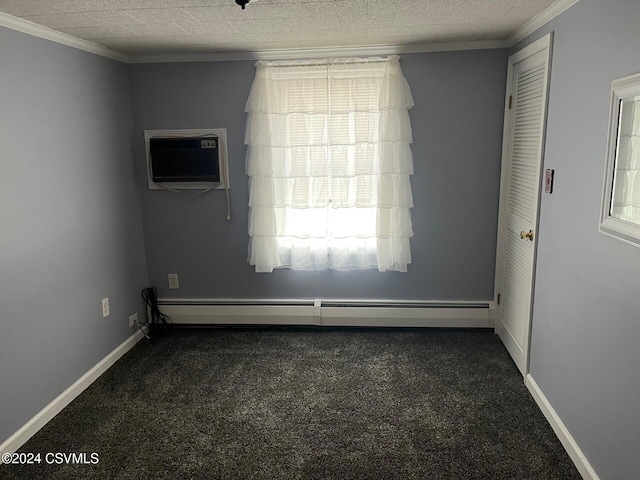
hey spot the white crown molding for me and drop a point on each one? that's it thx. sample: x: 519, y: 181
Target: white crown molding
x: 306, y: 53
x: 36, y: 30
x: 544, y: 17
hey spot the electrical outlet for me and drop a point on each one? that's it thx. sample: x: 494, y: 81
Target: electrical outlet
x: 133, y: 319
x: 173, y: 281
x: 105, y: 307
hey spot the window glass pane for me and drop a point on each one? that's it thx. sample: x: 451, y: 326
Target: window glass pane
x: 625, y: 201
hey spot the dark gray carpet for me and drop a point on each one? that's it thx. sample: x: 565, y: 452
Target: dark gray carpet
x: 283, y: 403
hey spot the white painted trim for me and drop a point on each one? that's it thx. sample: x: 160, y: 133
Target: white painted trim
x: 544, y: 17
x: 33, y: 29
x: 406, y: 317
x: 544, y: 44
x: 29, y: 429
x: 239, y: 314
x: 493, y: 311
x: 347, y: 313
x: 325, y: 301
x: 40, y: 31
x: 307, y: 53
x: 627, y: 231
x: 562, y: 432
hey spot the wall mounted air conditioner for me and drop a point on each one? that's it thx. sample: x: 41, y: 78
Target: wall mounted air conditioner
x: 187, y: 159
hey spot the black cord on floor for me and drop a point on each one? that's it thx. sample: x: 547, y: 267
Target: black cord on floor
x: 154, y: 317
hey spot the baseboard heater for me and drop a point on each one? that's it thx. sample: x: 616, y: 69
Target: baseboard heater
x: 330, y: 312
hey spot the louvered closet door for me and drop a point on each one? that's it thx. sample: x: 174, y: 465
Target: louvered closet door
x: 525, y: 124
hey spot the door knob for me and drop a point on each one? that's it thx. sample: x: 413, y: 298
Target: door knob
x: 527, y: 235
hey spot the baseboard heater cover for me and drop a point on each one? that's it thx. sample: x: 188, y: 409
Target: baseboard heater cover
x: 330, y: 312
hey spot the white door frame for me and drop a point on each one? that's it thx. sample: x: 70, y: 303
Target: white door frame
x: 543, y: 43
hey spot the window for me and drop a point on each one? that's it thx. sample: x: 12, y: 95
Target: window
x: 621, y: 205
x: 329, y: 164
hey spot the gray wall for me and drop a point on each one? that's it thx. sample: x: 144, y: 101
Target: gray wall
x: 457, y: 126
x: 71, y: 223
x: 586, y: 322
x: 69, y: 218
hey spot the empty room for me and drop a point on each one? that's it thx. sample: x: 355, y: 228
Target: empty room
x: 319, y: 239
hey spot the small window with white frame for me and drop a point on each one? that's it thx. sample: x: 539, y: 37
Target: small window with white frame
x: 620, y: 216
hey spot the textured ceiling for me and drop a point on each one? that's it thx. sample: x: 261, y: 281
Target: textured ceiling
x: 156, y: 27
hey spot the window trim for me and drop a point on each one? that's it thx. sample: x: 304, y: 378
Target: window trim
x: 626, y: 231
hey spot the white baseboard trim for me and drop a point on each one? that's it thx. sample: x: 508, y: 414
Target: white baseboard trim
x: 330, y: 313
x: 561, y: 431
x: 29, y: 429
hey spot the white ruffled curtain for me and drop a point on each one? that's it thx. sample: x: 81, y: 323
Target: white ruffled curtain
x: 329, y: 164
x: 626, y: 191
